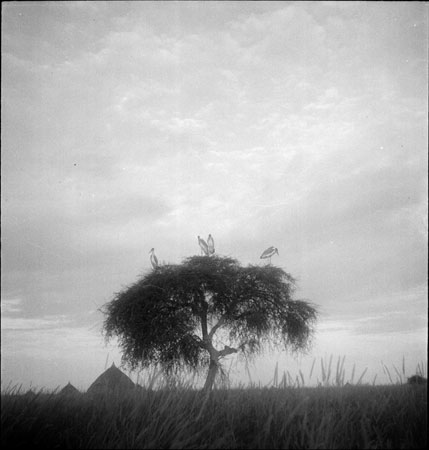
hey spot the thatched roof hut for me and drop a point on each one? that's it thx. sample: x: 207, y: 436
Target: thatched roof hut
x: 111, y: 380
x: 68, y: 389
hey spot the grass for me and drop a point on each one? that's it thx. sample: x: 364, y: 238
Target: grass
x: 281, y: 416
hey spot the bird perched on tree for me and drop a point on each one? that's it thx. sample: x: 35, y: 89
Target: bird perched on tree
x: 204, y: 247
x: 153, y: 258
x: 210, y: 244
x: 270, y: 251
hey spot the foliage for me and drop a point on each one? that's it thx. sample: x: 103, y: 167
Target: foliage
x: 170, y: 316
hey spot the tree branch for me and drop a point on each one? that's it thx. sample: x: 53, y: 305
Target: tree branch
x: 203, y: 316
x: 216, y: 326
x: 204, y: 326
x: 223, y: 318
x: 227, y: 351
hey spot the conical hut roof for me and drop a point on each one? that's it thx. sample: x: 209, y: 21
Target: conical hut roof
x: 111, y: 380
x: 68, y: 389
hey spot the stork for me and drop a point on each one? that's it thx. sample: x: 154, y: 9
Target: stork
x: 204, y: 247
x: 270, y: 251
x: 210, y: 244
x: 153, y: 258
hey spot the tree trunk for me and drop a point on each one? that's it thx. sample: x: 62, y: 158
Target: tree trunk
x: 208, y: 385
x: 213, y: 368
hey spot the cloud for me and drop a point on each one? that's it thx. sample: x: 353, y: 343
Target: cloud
x: 10, y: 306
x: 133, y: 125
x: 391, y: 322
x: 49, y: 355
x: 397, y: 312
x: 290, y: 33
x: 19, y: 323
x: 396, y: 315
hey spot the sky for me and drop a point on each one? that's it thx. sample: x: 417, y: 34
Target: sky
x: 132, y: 125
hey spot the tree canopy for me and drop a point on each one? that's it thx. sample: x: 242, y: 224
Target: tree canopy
x: 173, y: 314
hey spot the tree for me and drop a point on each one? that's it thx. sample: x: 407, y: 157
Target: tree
x: 172, y: 316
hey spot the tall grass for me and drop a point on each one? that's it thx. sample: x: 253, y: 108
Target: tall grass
x: 327, y: 378
x: 339, y: 378
x: 285, y: 414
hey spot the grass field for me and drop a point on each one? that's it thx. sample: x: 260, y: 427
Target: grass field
x: 329, y: 416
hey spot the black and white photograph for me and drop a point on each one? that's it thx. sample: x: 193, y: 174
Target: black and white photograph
x: 214, y: 224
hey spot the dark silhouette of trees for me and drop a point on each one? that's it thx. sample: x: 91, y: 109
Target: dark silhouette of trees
x: 417, y: 379
x: 172, y: 316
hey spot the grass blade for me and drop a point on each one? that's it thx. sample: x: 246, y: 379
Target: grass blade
x: 312, y: 367
x: 363, y: 373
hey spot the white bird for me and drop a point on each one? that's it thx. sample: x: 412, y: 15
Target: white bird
x: 153, y: 258
x: 210, y: 244
x: 270, y: 251
x: 204, y: 246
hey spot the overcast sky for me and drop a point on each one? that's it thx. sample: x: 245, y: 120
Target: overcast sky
x: 132, y: 125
